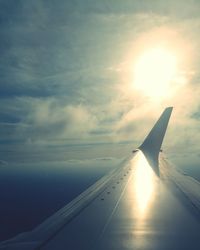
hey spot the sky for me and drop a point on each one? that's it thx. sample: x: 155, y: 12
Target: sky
x: 73, y: 72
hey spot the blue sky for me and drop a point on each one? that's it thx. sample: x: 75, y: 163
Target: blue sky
x: 66, y: 73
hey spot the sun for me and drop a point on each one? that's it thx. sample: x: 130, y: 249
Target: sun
x: 154, y: 72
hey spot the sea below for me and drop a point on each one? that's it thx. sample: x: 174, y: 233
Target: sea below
x: 32, y: 191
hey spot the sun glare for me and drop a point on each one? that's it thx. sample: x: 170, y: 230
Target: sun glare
x: 154, y: 72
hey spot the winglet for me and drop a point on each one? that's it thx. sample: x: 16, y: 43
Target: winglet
x: 152, y: 143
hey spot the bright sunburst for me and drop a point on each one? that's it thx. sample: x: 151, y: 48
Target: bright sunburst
x: 154, y: 72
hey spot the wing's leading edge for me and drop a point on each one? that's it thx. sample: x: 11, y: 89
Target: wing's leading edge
x: 153, y: 142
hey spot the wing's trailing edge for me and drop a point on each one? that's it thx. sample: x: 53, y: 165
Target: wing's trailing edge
x: 153, y: 142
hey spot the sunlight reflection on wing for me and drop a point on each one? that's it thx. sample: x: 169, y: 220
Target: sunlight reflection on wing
x: 144, y: 183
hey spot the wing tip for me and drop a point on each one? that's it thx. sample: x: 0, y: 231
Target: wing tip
x: 153, y: 142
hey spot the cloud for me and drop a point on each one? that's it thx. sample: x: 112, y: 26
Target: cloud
x: 51, y: 119
x: 67, y: 70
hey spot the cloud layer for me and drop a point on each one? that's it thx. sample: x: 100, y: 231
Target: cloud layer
x: 66, y: 70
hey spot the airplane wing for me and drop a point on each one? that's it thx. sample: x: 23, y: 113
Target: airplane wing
x: 143, y: 204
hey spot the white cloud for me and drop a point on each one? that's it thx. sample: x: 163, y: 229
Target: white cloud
x: 84, y: 64
x: 52, y: 119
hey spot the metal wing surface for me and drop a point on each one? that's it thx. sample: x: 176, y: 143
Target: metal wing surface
x: 143, y: 204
